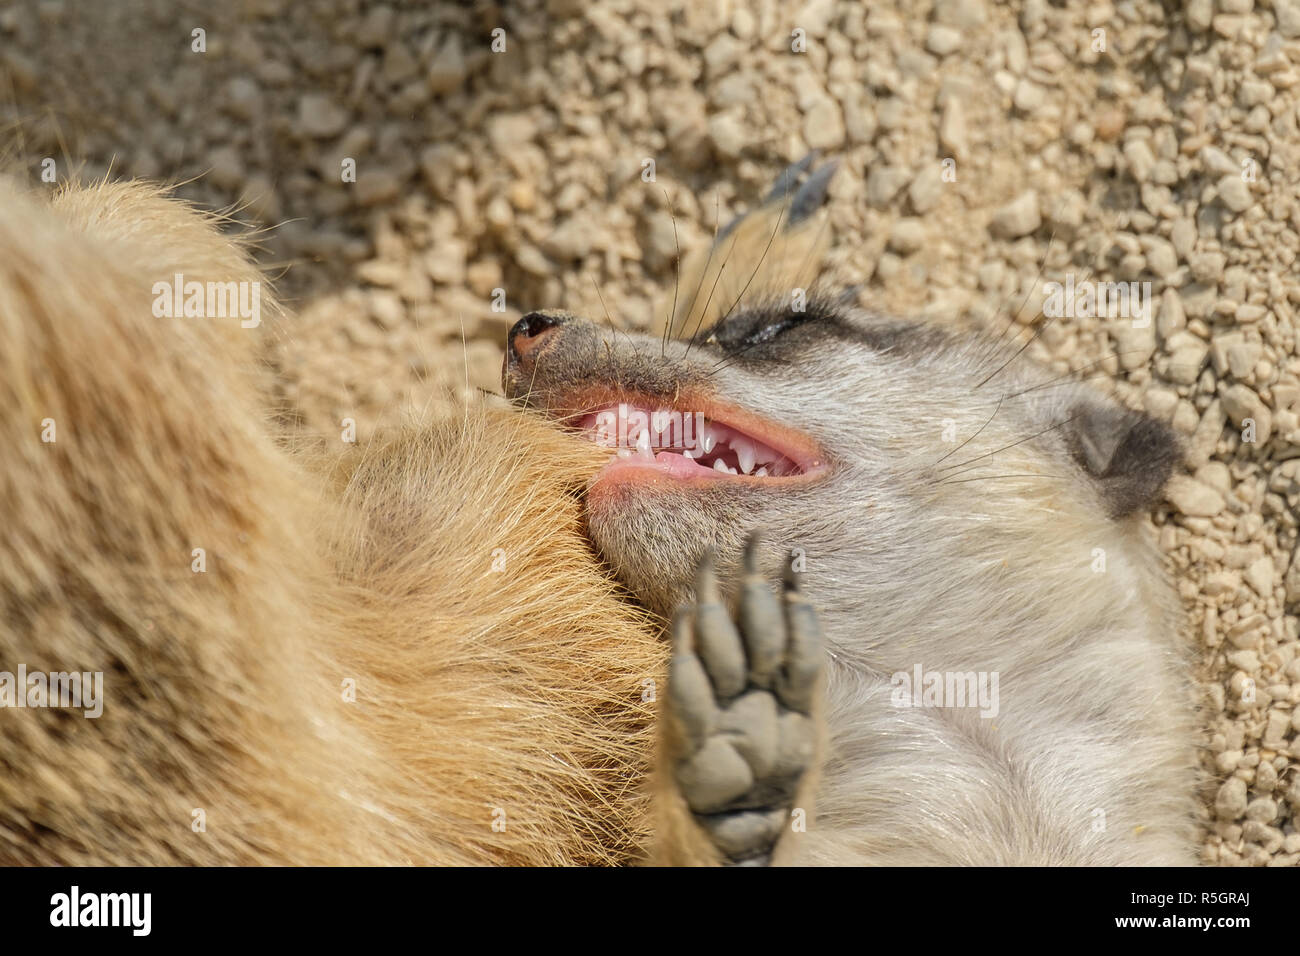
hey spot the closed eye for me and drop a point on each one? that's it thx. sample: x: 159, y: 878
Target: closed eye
x: 764, y: 333
x: 762, y: 325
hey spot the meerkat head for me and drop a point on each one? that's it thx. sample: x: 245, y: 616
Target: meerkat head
x: 834, y: 430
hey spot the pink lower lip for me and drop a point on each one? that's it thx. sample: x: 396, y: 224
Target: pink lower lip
x: 673, y: 465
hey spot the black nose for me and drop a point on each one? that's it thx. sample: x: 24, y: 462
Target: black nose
x: 530, y: 331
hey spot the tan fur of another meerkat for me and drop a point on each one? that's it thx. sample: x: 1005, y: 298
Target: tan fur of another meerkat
x: 512, y: 696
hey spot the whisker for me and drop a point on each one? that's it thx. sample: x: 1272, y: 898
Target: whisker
x: 677, y: 279
x: 958, y: 481
x: 1011, y: 317
x: 604, y: 308
x: 1068, y: 377
x: 961, y: 471
x: 1028, y: 342
x: 972, y: 437
x: 727, y: 361
x: 1013, y: 444
x: 464, y: 348
x: 713, y: 288
x: 708, y: 262
x: 770, y: 239
x: 613, y: 326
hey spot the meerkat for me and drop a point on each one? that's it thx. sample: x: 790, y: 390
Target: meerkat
x: 226, y: 739
x: 406, y: 652
x: 993, y: 692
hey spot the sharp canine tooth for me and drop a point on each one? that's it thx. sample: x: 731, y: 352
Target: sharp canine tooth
x: 706, y: 439
x: 643, y: 444
x: 744, y: 453
x: 719, y: 466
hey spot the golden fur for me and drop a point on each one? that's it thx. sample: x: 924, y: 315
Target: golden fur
x: 521, y: 689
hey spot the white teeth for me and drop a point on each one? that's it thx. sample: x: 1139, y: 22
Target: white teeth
x: 752, y: 456
x: 744, y: 453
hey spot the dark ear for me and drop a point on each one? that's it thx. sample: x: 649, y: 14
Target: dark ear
x: 1129, y: 454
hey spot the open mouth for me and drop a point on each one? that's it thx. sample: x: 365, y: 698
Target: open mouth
x: 716, y: 444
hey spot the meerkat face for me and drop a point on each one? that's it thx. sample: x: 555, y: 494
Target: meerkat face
x: 831, y: 429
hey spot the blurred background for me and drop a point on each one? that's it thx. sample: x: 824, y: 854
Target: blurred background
x: 504, y: 146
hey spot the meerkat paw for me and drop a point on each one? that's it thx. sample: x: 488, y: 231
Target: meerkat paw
x: 742, y: 698
x: 779, y: 245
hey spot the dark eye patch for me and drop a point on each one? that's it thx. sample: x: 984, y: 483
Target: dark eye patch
x: 754, y: 328
x: 762, y: 332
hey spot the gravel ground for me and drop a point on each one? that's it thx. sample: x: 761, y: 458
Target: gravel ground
x: 1171, y: 156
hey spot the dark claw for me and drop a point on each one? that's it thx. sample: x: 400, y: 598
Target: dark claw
x: 789, y: 177
x: 760, y: 621
x: 808, y: 194
x: 811, y: 194
x: 716, y: 640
